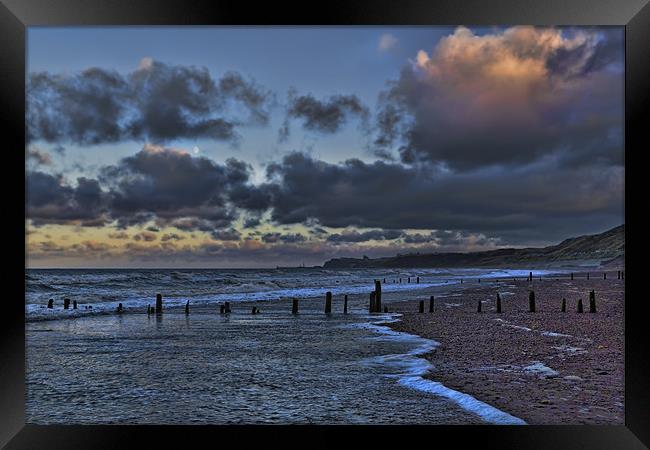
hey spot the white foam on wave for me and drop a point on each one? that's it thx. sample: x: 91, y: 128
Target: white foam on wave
x: 36, y: 312
x: 409, y: 369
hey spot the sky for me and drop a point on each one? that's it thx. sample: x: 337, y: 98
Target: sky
x: 265, y: 146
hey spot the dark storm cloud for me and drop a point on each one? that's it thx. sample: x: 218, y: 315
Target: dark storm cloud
x: 157, y: 102
x: 272, y: 238
x: 171, y: 237
x: 372, y: 235
x: 251, y: 222
x: 226, y: 235
x: 50, y: 200
x: 545, y: 199
x: 146, y: 236
x: 508, y: 98
x: 177, y: 189
x: 325, y: 116
x: 167, y: 186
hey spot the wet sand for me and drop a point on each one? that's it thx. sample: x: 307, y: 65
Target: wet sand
x: 546, y: 367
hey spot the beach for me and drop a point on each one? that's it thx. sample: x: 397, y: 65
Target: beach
x: 452, y: 366
x: 545, y: 367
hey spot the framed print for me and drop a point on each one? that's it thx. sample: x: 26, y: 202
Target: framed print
x: 269, y: 220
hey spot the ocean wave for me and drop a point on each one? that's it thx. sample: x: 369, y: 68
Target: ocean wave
x: 409, y: 369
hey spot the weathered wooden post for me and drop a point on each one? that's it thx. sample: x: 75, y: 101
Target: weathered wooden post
x: 385, y: 308
x: 328, y: 302
x: 563, y: 305
x: 226, y: 307
x: 478, y: 309
x: 345, y: 304
x: 66, y: 303
x: 618, y: 275
x: 498, y: 303
x: 604, y: 275
x: 417, y: 280
x: 378, y: 295
x: 421, y: 306
x: 530, y: 276
x: 571, y: 276
x: 74, y: 304
x: 222, y: 309
x: 587, y: 275
x: 148, y: 310
x: 592, y: 302
x: 580, y: 305
x: 253, y: 310
x: 120, y: 308
x: 158, y: 303
x: 431, y: 300
x: 461, y: 281
x: 400, y: 280
x: 531, y: 301
x: 50, y: 303
x: 408, y: 280
x: 622, y: 274
x: 384, y: 280
x: 294, y: 306
x: 372, y: 302
x: 479, y: 280
x: 187, y: 308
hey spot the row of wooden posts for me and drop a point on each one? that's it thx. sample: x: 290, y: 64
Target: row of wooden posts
x: 374, y: 306
x: 531, y: 303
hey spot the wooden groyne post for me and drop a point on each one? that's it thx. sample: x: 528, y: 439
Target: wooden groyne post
x: 563, y: 305
x: 479, y: 307
x: 158, y: 303
x: 531, y: 301
x: 66, y: 303
x: 226, y: 308
x: 385, y: 308
x: 421, y: 306
x: 50, y: 303
x: 618, y: 275
x: 622, y: 274
x: 571, y: 276
x: 592, y: 302
x: 328, y: 302
x: 417, y: 280
x: 530, y: 276
x: 187, y: 308
x: 371, y: 308
x: 431, y: 300
x: 294, y: 306
x: 498, y: 303
x: 148, y: 310
x: 580, y: 309
x: 74, y: 304
x: 345, y: 304
x: 587, y: 275
x: 378, y: 295
x: 604, y: 275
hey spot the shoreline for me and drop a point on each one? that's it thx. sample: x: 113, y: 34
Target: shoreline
x: 546, y: 367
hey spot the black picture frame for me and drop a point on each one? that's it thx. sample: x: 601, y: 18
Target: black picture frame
x: 16, y: 15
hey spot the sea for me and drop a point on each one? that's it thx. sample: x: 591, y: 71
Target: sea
x: 92, y: 365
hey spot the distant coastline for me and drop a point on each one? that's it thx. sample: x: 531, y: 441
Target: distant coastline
x: 601, y: 250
